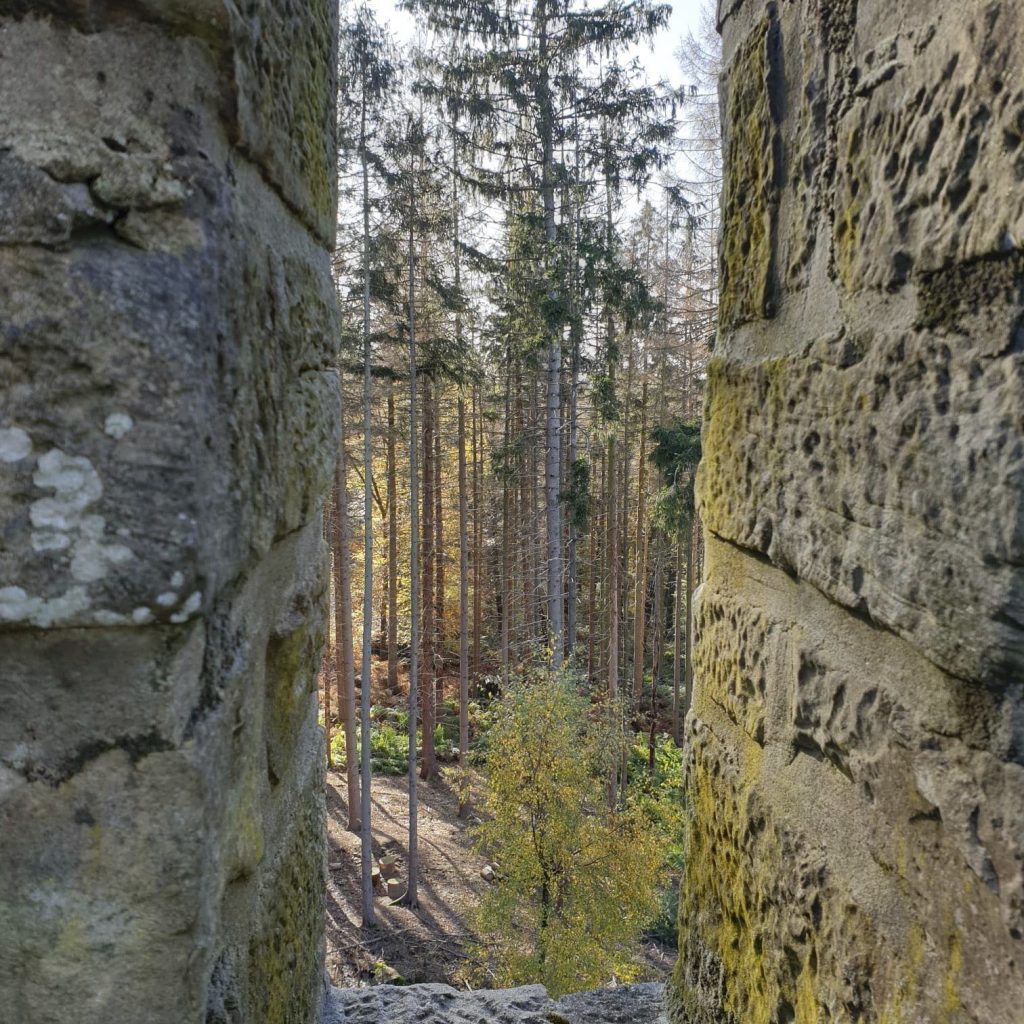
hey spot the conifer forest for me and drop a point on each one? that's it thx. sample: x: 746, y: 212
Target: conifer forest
x: 528, y: 284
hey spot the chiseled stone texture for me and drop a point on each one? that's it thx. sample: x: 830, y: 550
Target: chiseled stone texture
x: 856, y: 742
x: 528, y: 1004
x: 167, y: 414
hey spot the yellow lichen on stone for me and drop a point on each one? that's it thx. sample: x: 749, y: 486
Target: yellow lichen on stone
x: 748, y: 200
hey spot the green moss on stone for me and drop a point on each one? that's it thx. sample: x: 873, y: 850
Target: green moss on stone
x: 284, y: 959
x: 748, y: 188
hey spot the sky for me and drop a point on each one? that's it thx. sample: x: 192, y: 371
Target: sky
x: 659, y: 59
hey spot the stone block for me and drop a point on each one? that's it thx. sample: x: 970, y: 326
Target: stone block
x: 167, y: 432
x: 854, y: 747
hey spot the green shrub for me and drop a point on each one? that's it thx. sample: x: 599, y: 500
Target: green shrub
x: 577, y: 881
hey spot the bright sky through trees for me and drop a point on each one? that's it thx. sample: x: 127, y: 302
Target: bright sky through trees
x: 658, y: 59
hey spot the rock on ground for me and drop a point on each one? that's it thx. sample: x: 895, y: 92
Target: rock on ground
x: 529, y: 1004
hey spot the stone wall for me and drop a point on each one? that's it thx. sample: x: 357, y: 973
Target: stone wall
x: 856, y: 745
x: 167, y: 415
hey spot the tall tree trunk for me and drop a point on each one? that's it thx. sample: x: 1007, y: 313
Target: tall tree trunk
x: 477, y: 530
x: 330, y: 646
x: 571, y: 582
x: 463, y: 520
x: 552, y: 428
x: 640, y: 592
x: 392, y: 548
x: 657, y: 630
x: 369, y: 912
x: 537, y: 567
x: 439, y: 623
x: 429, y: 536
x: 506, y: 542
x: 522, y: 525
x: 625, y: 461
x: 463, y: 609
x: 677, y: 639
x: 411, y: 894
x: 592, y: 574
x: 612, y: 544
x: 344, y: 660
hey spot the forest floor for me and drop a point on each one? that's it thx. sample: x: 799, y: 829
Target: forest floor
x: 430, y: 943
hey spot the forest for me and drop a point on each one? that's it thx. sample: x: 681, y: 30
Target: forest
x: 527, y: 274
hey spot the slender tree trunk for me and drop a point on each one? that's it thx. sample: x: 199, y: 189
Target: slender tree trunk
x: 522, y: 526
x: 506, y: 543
x: 657, y: 629
x: 625, y: 554
x: 330, y: 647
x: 552, y: 431
x: 429, y: 536
x: 463, y: 609
x: 477, y: 531
x: 369, y: 912
x: 534, y: 526
x: 411, y: 894
x: 677, y: 640
x: 613, y: 598
x: 344, y: 659
x: 640, y: 592
x: 392, y: 548
x: 571, y: 570
x: 592, y: 574
x: 439, y: 617
x: 463, y: 521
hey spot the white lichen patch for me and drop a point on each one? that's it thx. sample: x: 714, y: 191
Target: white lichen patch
x: 141, y: 616
x: 92, y: 557
x: 105, y: 617
x: 18, y: 606
x: 168, y: 599
x: 178, y: 580
x: 118, y: 424
x: 15, y: 444
x: 189, y: 608
x: 64, y: 526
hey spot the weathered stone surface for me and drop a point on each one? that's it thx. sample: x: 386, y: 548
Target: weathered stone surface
x: 856, y: 741
x: 530, y: 1004
x: 168, y: 410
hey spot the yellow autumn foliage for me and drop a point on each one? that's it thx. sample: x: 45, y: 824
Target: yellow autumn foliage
x: 576, y: 881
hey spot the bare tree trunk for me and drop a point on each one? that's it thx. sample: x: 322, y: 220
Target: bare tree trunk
x: 478, y: 550
x: 657, y: 629
x: 429, y: 536
x: 613, y: 598
x: 411, y: 894
x: 592, y: 574
x: 506, y: 544
x: 677, y: 640
x: 552, y: 431
x: 463, y: 609
x: 439, y: 623
x: 330, y: 646
x: 522, y: 525
x: 369, y: 912
x: 640, y: 593
x: 625, y: 460
x: 392, y: 548
x: 534, y: 526
x: 344, y: 659
x: 571, y: 582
